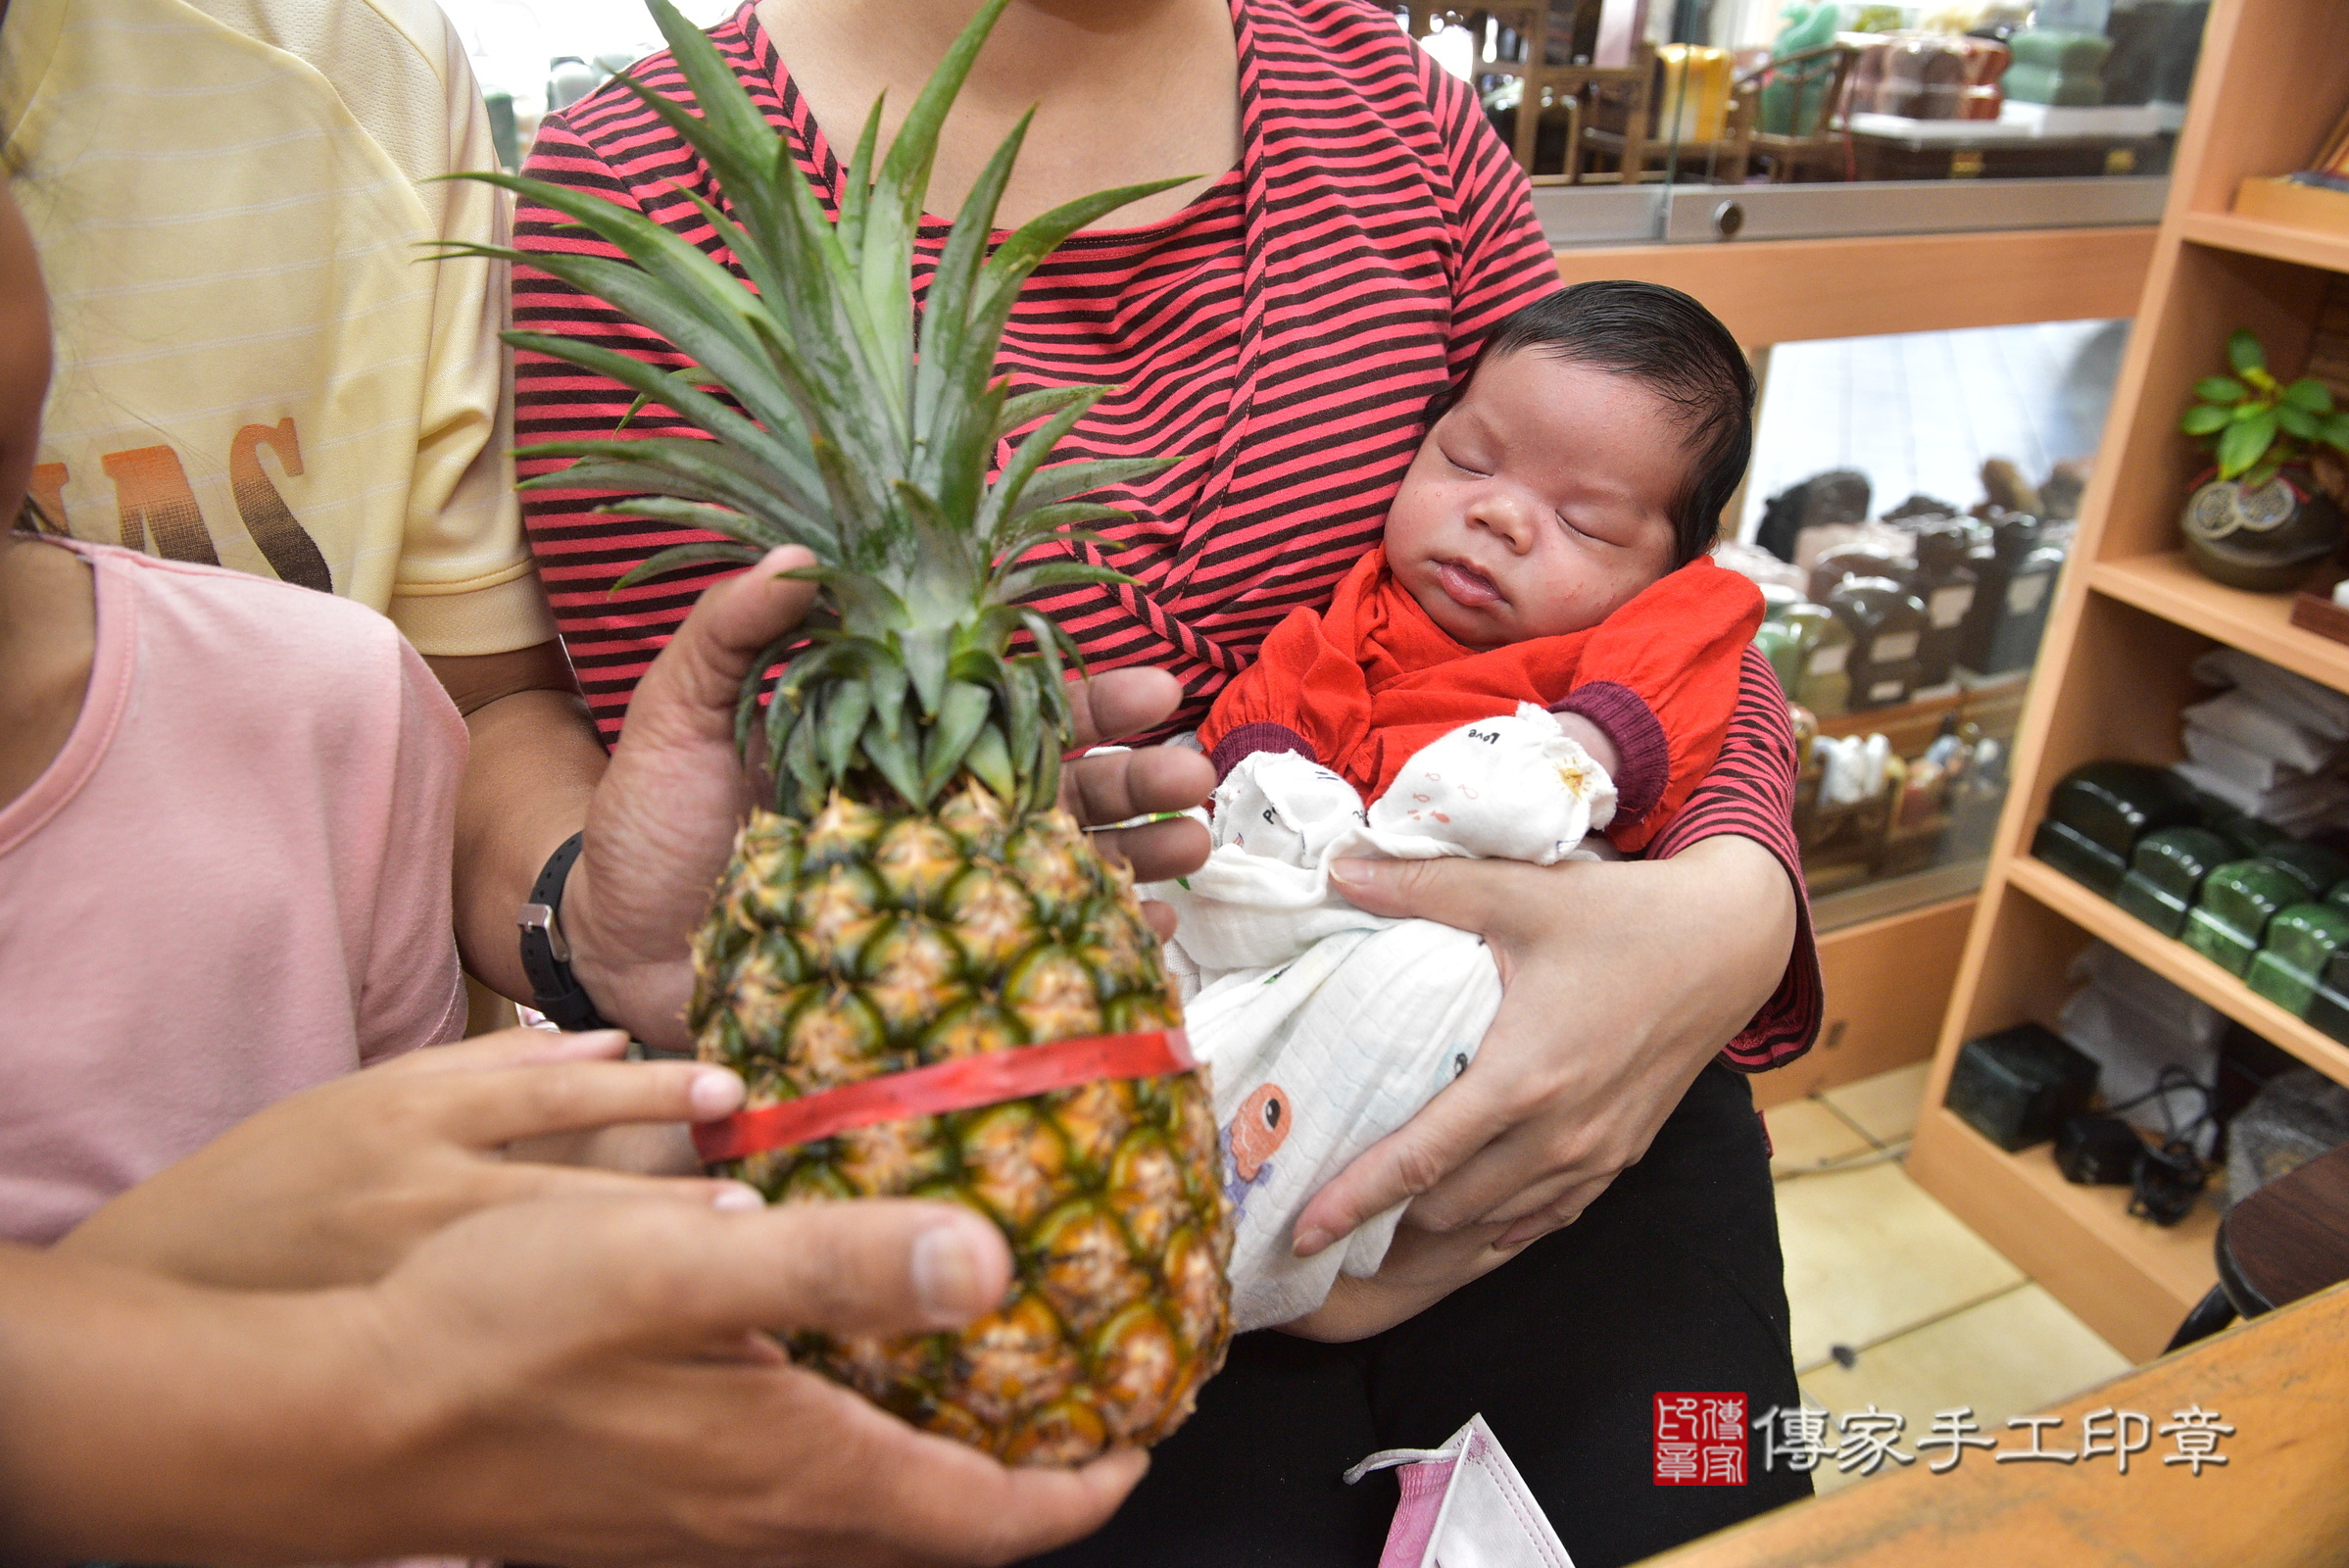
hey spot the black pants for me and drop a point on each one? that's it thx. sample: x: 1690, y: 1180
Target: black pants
x: 1670, y: 1282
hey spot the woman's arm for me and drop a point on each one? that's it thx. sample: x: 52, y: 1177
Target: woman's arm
x: 530, y: 771
x: 1622, y: 981
x: 584, y: 1382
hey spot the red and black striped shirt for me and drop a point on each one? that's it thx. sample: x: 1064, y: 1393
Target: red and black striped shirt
x: 1284, y: 334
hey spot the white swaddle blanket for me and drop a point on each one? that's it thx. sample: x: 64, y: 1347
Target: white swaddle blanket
x: 1327, y: 1027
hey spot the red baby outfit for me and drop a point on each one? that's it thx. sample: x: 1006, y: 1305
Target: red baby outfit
x: 1361, y: 686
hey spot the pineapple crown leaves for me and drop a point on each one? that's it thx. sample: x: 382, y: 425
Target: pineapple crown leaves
x: 2253, y: 423
x: 837, y: 422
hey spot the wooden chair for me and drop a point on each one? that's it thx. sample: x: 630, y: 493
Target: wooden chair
x: 1636, y: 141
x: 1611, y: 111
x: 2288, y: 1240
x: 1815, y: 139
x: 1514, y: 42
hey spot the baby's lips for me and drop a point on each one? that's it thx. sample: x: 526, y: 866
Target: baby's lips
x: 1465, y: 585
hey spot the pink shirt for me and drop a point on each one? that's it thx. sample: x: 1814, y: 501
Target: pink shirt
x: 231, y: 883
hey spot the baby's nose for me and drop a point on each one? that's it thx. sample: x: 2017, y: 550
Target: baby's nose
x: 1505, y: 516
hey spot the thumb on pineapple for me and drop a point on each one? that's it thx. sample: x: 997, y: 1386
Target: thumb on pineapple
x: 873, y: 1266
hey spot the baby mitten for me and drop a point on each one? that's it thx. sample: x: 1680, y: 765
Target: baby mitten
x: 1284, y: 808
x: 1515, y: 788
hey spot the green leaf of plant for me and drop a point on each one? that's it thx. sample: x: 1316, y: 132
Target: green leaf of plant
x: 889, y: 686
x: 1054, y: 484
x: 1056, y: 574
x: 951, y: 361
x: 1030, y: 407
x: 678, y: 557
x: 784, y: 450
x: 2244, y: 443
x: 885, y: 262
x: 892, y: 758
x: 1004, y: 494
x: 746, y: 701
x: 2245, y: 353
x: 2296, y: 421
x: 990, y: 762
x: 844, y: 722
x: 798, y: 762
x: 2203, y: 418
x: 704, y: 471
x: 2334, y: 432
x: 1028, y: 245
x: 2220, y: 389
x: 2260, y: 475
x: 857, y: 189
x: 2310, y: 395
x: 961, y: 714
x: 926, y: 654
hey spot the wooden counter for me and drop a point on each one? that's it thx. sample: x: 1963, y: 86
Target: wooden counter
x: 2281, y: 1500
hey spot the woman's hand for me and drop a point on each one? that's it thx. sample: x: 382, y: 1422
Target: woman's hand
x: 586, y: 1383
x: 333, y: 1186
x: 662, y: 823
x: 1620, y: 982
x: 1421, y: 1268
x: 633, y: 1365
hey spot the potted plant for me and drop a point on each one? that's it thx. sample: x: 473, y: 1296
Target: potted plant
x: 2268, y: 511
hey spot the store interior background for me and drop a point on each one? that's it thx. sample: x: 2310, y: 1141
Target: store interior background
x: 1895, y: 1302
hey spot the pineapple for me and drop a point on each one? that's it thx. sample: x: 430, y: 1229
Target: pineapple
x: 917, y: 895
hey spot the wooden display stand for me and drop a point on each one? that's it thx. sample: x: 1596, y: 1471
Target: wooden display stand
x: 2129, y: 617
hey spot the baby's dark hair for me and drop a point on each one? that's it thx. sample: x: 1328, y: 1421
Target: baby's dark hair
x: 1676, y: 349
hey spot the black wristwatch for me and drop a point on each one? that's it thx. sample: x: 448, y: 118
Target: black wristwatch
x: 546, y: 956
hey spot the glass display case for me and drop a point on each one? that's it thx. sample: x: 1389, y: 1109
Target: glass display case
x: 1908, y: 513
x: 1709, y: 120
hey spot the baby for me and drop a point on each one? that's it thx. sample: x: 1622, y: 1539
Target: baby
x: 1540, y: 650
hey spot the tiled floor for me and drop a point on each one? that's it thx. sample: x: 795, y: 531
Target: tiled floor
x: 1897, y: 1303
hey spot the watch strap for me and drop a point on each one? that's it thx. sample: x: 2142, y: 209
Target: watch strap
x: 545, y: 957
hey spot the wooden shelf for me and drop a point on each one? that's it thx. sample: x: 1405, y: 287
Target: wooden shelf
x: 2129, y: 618
x: 2130, y: 1280
x: 2178, y: 963
x: 2282, y: 242
x: 1890, y: 284
x: 2167, y: 585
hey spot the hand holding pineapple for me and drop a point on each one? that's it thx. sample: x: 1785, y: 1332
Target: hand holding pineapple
x: 584, y: 1382
x: 661, y: 825
x: 338, y: 1183
x: 906, y: 893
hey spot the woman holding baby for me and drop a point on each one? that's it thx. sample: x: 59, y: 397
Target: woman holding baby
x: 1284, y: 322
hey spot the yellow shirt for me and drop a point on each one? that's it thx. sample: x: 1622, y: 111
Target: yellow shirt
x: 256, y: 362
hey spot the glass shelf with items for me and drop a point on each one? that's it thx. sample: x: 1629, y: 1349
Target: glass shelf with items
x: 1928, y: 106
x: 1904, y: 624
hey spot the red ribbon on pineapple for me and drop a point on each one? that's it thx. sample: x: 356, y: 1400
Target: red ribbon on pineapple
x: 963, y: 1084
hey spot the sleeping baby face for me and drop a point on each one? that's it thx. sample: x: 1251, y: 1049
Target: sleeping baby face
x: 1540, y: 503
